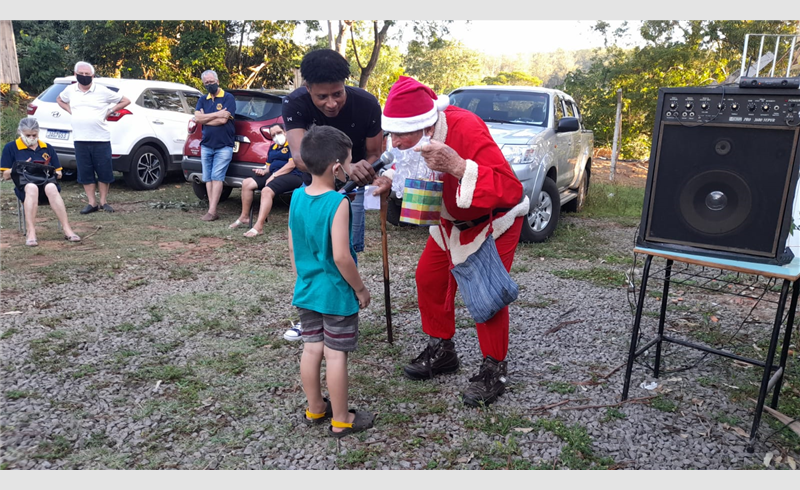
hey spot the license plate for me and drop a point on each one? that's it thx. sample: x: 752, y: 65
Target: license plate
x: 235, y: 146
x: 57, y: 135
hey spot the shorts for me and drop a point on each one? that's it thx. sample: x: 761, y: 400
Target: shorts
x: 43, y: 199
x: 94, y: 157
x: 280, y: 184
x: 215, y: 162
x: 337, y: 332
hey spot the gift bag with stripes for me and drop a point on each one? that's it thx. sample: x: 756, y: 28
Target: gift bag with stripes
x: 422, y: 202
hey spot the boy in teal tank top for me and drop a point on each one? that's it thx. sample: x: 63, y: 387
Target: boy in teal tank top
x: 328, y: 289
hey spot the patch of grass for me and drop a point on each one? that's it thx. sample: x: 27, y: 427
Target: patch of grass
x: 179, y: 273
x: 84, y: 370
x: 569, y: 241
x: 98, y: 439
x: 612, y: 414
x: 600, y: 276
x: 620, y: 203
x: 164, y: 347
x: 724, y: 418
x: 50, y: 352
x: 135, y: 283
x: 539, y: 301
x: 577, y: 453
x: 57, y: 447
x: 233, y: 363
x: 663, y: 403
x: 560, y: 387
x: 125, y: 327
x: 17, y: 394
x: 8, y: 333
x: 495, y: 423
x: 166, y: 372
x: 353, y: 458
x: 213, y: 325
x: 393, y: 418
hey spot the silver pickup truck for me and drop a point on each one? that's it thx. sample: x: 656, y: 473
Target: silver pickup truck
x: 541, y: 133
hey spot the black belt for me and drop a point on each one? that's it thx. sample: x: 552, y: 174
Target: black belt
x: 465, y: 225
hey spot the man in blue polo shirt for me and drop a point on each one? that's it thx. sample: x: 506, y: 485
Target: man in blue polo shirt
x: 215, y: 112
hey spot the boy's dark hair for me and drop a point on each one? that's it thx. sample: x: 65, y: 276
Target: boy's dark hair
x: 324, y: 66
x: 280, y: 125
x: 322, y: 146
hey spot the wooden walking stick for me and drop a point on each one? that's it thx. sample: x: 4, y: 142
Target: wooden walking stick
x: 384, y: 243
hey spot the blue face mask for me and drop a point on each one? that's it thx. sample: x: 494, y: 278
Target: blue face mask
x: 212, y: 88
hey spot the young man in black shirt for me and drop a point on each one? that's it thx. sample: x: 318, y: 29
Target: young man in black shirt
x: 325, y: 100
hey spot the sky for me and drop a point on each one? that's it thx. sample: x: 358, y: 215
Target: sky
x: 499, y: 37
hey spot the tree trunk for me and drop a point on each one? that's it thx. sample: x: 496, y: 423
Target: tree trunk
x: 330, y: 35
x: 380, y: 37
x: 341, y: 38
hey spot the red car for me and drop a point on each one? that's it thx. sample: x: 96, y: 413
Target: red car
x: 256, y: 111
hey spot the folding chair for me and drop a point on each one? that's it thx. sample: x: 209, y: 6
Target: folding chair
x: 23, y: 226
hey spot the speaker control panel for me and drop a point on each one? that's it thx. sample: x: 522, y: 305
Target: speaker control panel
x: 733, y: 108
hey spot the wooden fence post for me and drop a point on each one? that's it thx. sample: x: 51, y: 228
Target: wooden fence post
x: 617, y: 127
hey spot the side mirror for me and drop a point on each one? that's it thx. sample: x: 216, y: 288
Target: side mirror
x: 567, y: 124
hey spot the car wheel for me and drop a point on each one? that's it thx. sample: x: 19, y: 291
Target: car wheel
x: 226, y: 193
x: 543, y: 215
x: 147, y: 169
x: 576, y: 205
x: 202, y: 194
x: 200, y: 191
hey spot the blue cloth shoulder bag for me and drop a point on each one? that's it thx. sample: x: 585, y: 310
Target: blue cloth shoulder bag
x: 485, y: 284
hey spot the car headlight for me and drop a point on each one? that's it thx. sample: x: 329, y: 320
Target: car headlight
x: 520, y: 154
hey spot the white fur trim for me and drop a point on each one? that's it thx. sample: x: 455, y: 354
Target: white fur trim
x: 409, y: 124
x: 466, y: 189
x: 459, y: 252
x: 503, y: 223
x: 442, y: 102
x: 389, y: 174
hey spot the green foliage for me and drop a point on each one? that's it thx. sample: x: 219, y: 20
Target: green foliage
x: 442, y: 65
x: 677, y: 54
x: 513, y: 78
x: 12, y: 109
x: 386, y: 72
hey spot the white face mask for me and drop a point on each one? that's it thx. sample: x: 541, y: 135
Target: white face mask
x: 30, y: 140
x: 279, y: 139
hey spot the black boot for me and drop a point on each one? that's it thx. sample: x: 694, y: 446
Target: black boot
x: 439, y: 357
x: 488, y: 384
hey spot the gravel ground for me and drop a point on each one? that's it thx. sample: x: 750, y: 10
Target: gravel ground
x: 192, y: 373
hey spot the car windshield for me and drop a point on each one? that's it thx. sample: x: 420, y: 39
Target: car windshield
x: 504, y: 106
x: 257, y: 107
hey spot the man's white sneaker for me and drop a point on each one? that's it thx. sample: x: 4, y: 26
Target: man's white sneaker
x: 294, y: 333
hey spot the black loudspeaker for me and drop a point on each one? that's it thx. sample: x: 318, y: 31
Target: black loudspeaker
x: 723, y: 173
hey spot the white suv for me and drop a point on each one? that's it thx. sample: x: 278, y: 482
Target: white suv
x: 147, y: 137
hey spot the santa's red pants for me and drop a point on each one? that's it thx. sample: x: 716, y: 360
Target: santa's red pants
x: 436, y: 291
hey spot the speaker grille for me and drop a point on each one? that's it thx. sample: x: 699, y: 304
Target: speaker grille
x: 721, y: 187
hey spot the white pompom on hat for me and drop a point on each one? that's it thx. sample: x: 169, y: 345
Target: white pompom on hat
x: 411, y: 106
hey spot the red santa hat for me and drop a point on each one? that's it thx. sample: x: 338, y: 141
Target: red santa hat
x: 411, y: 106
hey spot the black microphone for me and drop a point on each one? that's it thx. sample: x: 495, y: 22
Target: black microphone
x: 386, y: 159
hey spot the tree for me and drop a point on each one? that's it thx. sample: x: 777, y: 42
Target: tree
x: 513, y: 78
x: 676, y: 54
x: 442, y: 65
x: 388, y: 69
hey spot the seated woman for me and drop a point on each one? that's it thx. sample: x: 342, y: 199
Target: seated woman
x: 277, y: 177
x: 28, y: 148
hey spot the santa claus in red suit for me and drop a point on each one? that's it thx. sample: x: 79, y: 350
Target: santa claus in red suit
x: 481, y: 195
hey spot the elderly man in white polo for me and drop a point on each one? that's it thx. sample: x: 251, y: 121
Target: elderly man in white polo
x: 90, y: 105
